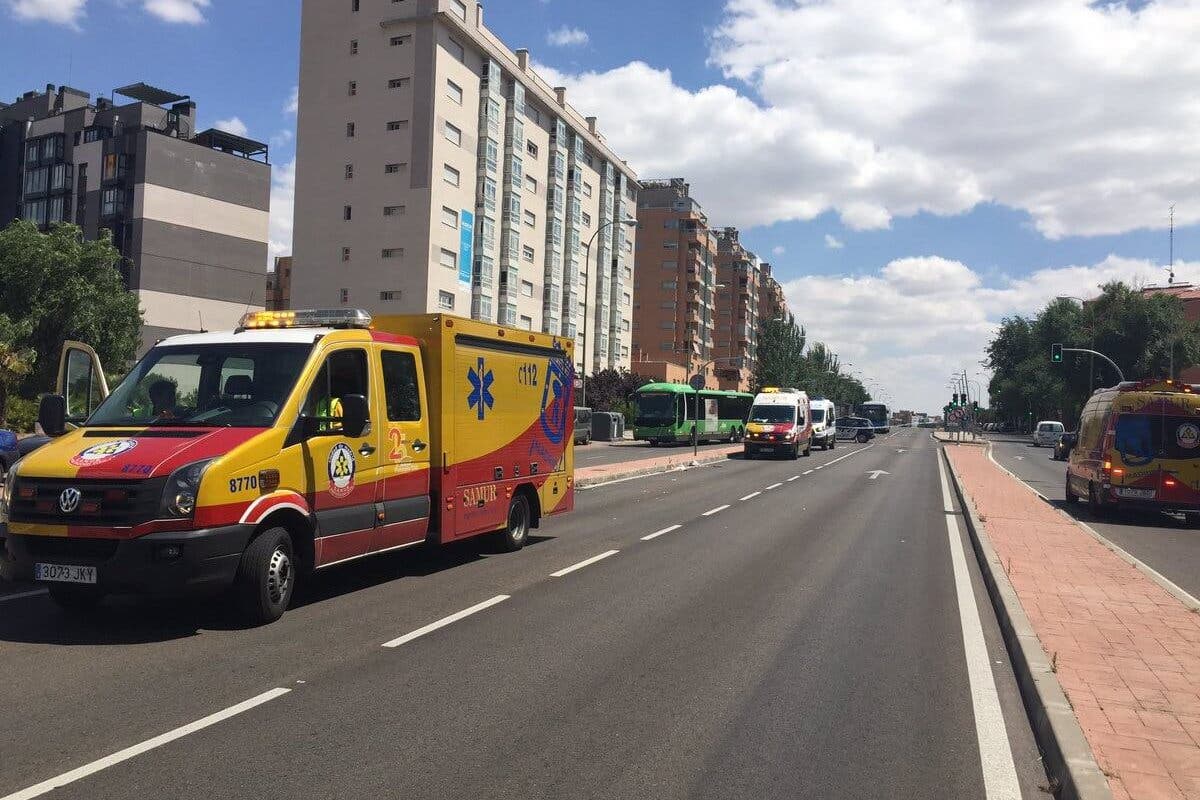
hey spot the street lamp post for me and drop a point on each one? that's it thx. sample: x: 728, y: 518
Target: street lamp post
x: 587, y: 306
x: 1092, y: 328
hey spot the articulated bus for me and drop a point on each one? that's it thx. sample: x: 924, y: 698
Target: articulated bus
x: 879, y: 414
x: 665, y: 412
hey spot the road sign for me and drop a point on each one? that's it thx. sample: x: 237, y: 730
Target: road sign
x: 697, y: 382
x: 875, y: 473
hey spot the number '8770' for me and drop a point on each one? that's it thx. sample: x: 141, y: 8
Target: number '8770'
x: 242, y: 484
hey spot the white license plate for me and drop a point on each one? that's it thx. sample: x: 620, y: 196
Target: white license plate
x: 766, y: 448
x: 1135, y: 494
x: 63, y: 573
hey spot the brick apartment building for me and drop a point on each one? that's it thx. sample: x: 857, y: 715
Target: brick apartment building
x: 188, y: 211
x: 674, y: 297
x: 279, y: 285
x: 771, y: 301
x: 436, y: 170
x: 739, y: 271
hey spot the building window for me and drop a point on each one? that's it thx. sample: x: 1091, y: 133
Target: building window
x: 354, y: 47
x: 392, y: 252
x: 670, y: 285
x: 530, y: 219
x: 626, y: 299
x: 587, y: 219
x: 460, y: 8
x: 446, y: 300
x: 454, y: 92
x: 350, y: 130
x: 346, y: 213
x: 449, y: 217
x: 349, y: 172
x: 531, y: 184
x: 396, y: 41
x: 455, y: 49
x: 354, y: 6
x: 527, y: 288
x: 668, y: 245
x: 397, y: 125
x: 389, y: 297
x: 453, y: 135
x: 448, y: 258
x: 527, y: 322
x: 531, y: 149
x: 587, y: 189
x: 398, y: 83
x: 393, y: 211
x: 352, y: 88
x: 450, y: 175
x: 527, y: 253
x: 392, y: 169
x: 345, y: 254
x: 112, y: 202
x: 345, y: 295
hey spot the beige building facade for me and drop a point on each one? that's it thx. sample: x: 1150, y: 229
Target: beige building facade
x: 436, y: 171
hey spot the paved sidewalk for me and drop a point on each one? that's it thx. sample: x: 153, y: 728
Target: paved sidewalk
x: 1126, y: 652
x: 589, y: 476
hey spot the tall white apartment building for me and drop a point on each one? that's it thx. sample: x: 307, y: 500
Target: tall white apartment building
x: 436, y: 171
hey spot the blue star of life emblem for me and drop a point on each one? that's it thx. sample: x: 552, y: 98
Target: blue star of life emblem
x: 480, y: 397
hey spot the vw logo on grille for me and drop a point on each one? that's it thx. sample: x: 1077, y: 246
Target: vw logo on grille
x: 68, y: 501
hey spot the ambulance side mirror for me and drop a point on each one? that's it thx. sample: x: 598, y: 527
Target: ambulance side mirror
x: 355, y: 415
x: 52, y: 414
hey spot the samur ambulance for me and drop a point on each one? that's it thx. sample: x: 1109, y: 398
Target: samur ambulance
x: 779, y: 423
x: 1138, y: 445
x: 249, y: 459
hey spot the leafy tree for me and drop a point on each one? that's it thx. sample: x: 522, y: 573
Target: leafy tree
x: 15, y: 362
x: 780, y: 354
x: 57, y: 287
x: 609, y: 389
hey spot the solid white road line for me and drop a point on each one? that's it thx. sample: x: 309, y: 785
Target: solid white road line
x: 808, y: 472
x: 657, y: 534
x: 773, y: 486
x: 995, y: 753
x: 793, y: 478
x: 750, y: 496
x: 34, y: 593
x: 150, y: 744
x: 441, y: 623
x: 584, y: 563
x: 716, y: 510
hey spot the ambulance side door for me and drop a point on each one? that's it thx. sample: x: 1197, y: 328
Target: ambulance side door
x: 403, y: 501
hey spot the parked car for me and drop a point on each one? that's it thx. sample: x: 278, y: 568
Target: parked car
x: 1064, y: 446
x: 1047, y: 433
x: 583, y: 425
x: 9, y: 452
x: 858, y: 429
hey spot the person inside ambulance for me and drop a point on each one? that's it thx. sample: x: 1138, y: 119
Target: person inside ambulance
x: 162, y: 400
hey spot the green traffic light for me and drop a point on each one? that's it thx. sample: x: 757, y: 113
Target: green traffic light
x: 1056, y: 353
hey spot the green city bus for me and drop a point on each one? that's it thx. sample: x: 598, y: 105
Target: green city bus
x: 665, y: 412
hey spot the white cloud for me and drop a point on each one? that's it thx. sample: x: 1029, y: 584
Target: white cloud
x: 1067, y: 109
x: 60, y: 12
x: 179, y: 11
x: 833, y: 243
x: 283, y: 193
x: 293, y: 104
x: 778, y: 250
x: 232, y: 125
x: 929, y: 316
x: 567, y: 37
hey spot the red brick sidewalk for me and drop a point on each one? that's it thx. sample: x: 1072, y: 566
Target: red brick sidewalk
x: 1127, y: 653
x: 646, y: 466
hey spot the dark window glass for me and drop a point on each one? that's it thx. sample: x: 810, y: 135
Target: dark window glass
x: 400, y: 386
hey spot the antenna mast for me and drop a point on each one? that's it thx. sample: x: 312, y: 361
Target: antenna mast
x: 1171, y: 212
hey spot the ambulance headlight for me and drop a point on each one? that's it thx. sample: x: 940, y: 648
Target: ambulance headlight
x: 179, y: 495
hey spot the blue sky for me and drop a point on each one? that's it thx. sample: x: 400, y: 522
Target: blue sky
x: 882, y: 157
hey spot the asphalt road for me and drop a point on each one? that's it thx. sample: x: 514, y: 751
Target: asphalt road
x: 598, y: 453
x: 802, y: 633
x: 1163, y: 541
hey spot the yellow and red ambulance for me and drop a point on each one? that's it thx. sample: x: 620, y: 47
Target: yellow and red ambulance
x: 303, y: 439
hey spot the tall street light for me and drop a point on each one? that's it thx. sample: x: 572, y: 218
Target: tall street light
x: 587, y: 280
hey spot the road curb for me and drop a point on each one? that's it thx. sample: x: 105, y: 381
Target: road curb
x: 1068, y: 756
x: 673, y: 463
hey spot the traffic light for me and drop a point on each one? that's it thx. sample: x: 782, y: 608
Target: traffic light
x: 1056, y: 353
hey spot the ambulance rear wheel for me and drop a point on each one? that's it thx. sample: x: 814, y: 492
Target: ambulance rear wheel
x: 76, y: 599
x: 516, y: 531
x: 266, y: 578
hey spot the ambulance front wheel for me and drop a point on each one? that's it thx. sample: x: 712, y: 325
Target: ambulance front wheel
x: 266, y: 577
x: 516, y: 531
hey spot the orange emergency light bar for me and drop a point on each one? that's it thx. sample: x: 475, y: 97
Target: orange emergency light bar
x: 307, y: 318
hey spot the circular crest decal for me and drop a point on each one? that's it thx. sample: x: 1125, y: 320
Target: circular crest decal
x: 1187, y: 435
x: 341, y: 470
x: 100, y: 453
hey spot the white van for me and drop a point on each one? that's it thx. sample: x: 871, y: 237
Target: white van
x: 1047, y: 433
x: 779, y: 422
x: 824, y: 422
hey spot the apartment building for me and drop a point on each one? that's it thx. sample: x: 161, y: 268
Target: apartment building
x: 772, y: 304
x: 674, y: 296
x: 436, y: 171
x: 188, y: 211
x: 739, y: 272
x: 279, y: 285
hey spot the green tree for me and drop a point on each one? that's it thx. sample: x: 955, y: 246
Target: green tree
x: 57, y: 287
x: 780, y: 354
x: 609, y: 389
x: 15, y: 362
